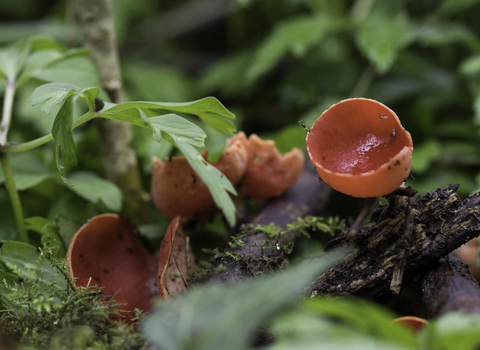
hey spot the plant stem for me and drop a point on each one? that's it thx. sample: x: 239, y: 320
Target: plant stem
x: 27, y: 146
x: 7, y: 112
x: 5, y: 164
x: 14, y: 198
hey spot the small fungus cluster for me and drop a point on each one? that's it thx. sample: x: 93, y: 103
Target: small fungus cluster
x: 254, y: 166
x: 359, y: 147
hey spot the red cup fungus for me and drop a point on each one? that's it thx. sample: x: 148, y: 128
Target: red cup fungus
x: 268, y: 172
x: 177, y: 189
x: 107, y: 252
x: 413, y: 323
x: 359, y: 147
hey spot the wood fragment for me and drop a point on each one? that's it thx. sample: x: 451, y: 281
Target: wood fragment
x: 438, y: 222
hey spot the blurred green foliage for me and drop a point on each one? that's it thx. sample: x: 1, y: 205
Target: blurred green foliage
x: 273, y: 63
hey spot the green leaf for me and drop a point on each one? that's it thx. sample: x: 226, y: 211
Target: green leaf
x: 381, y: 46
x: 12, y: 60
x: 218, y: 317
x: 217, y: 183
x: 22, y: 258
x: 27, y: 170
x: 74, y: 69
x: 168, y: 125
x: 62, y: 134
x: 209, y: 109
x: 296, y: 35
x: 426, y: 153
x: 451, y: 332
x: 449, y: 7
x: 36, y: 61
x: 95, y: 189
x: 49, y: 234
x: 437, y: 32
x: 365, y: 317
x: 470, y: 66
x: 66, y: 228
x: 51, y: 95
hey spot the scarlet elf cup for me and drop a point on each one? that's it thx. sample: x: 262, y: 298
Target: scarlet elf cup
x: 359, y: 147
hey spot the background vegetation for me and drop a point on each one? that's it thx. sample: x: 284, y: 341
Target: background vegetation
x: 272, y: 63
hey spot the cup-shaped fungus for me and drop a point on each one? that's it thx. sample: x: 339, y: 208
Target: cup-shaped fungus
x: 177, y: 189
x: 107, y: 252
x: 412, y: 322
x: 359, y: 147
x: 268, y: 173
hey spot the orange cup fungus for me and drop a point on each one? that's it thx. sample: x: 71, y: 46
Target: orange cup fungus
x: 177, y: 189
x: 360, y: 148
x: 412, y: 322
x: 268, y: 172
x: 107, y: 252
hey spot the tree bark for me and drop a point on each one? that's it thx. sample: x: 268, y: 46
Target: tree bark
x: 120, y: 160
x: 405, y: 243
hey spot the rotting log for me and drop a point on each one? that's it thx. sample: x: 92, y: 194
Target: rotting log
x: 411, y: 239
x: 450, y: 286
x: 307, y: 197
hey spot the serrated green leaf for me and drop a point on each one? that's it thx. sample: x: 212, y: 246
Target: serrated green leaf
x: 22, y: 258
x: 217, y: 183
x: 95, y: 189
x: 382, y: 46
x: 62, y: 134
x: 163, y: 126
x: 51, y: 95
x: 295, y: 35
x: 27, y: 170
x: 49, y: 234
x: 217, y: 317
x: 209, y: 109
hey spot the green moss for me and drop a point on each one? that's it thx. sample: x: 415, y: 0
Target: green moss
x: 50, y: 317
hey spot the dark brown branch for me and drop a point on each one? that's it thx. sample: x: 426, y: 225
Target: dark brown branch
x: 433, y: 226
x: 307, y: 197
x: 450, y: 287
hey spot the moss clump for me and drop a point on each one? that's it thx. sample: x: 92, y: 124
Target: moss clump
x: 40, y: 316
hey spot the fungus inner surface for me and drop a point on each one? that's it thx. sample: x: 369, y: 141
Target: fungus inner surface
x: 356, y: 137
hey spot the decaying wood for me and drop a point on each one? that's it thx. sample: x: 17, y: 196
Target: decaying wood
x: 307, y: 197
x: 417, y: 235
x: 450, y: 286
